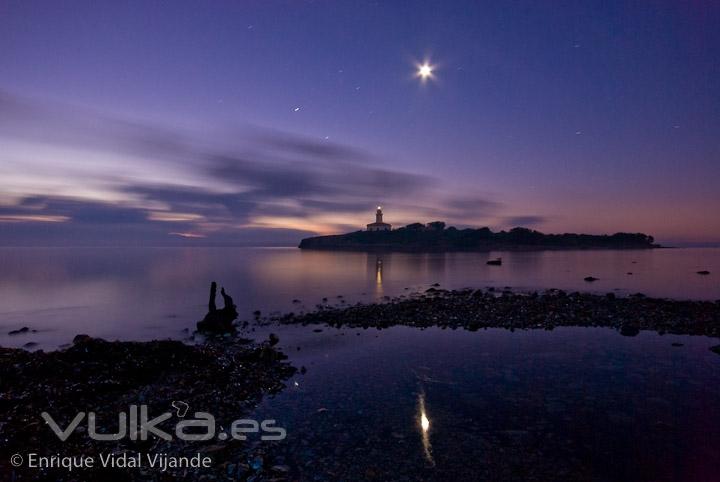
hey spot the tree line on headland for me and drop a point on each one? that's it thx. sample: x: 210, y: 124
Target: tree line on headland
x: 436, y: 236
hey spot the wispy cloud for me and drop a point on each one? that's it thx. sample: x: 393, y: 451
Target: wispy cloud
x: 72, y: 175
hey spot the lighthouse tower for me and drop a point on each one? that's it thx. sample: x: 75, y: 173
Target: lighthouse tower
x: 379, y: 225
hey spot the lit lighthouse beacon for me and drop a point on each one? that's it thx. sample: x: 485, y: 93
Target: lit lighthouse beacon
x: 379, y: 225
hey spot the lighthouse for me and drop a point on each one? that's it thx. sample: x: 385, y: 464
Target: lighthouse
x: 379, y: 225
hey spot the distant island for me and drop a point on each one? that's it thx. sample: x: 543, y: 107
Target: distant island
x: 436, y: 237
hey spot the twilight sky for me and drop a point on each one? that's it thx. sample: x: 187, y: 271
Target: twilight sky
x: 261, y: 122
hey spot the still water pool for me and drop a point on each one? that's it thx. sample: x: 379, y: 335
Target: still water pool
x: 568, y: 404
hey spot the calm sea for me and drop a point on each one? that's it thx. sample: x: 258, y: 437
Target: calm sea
x: 144, y: 293
x: 410, y: 404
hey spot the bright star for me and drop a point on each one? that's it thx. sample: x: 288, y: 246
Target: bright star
x: 425, y: 71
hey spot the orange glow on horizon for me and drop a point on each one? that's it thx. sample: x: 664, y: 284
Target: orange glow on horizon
x: 189, y: 235
x: 33, y: 218
x: 173, y: 217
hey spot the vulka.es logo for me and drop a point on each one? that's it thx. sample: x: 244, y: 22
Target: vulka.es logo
x: 137, y: 425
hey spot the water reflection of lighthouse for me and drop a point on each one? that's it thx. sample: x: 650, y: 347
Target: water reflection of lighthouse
x: 378, y: 276
x: 378, y: 272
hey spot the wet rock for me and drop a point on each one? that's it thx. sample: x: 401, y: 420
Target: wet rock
x: 228, y: 377
x: 629, y: 330
x: 475, y: 310
x: 715, y: 349
x: 703, y: 272
x: 256, y: 463
x: 273, y: 339
x: 590, y: 279
x: 677, y: 344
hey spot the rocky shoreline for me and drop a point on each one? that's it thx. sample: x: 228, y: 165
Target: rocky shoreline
x: 478, y: 309
x: 225, y: 377
x: 228, y: 375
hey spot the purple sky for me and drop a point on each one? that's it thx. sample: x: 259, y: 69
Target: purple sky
x: 263, y: 122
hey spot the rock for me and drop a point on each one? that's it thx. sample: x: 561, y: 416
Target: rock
x: 113, y: 375
x: 590, y: 279
x: 715, y: 349
x: 629, y: 330
x: 475, y: 310
x: 30, y: 344
x: 273, y: 339
x: 283, y: 469
x: 677, y: 344
x: 81, y: 338
x: 24, y: 329
x: 256, y: 463
x: 703, y: 272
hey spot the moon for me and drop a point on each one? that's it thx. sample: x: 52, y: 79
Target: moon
x: 425, y: 71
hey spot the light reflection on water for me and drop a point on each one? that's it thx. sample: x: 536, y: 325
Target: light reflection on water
x: 144, y: 293
x: 424, y: 423
x: 434, y: 404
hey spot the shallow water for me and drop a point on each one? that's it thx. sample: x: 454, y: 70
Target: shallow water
x: 568, y: 404
x: 145, y: 293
